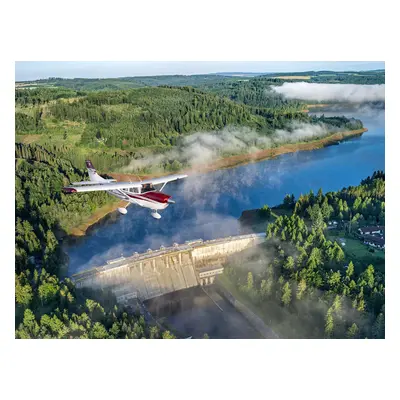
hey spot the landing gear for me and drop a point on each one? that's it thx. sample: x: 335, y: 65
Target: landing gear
x: 155, y: 214
x: 123, y: 210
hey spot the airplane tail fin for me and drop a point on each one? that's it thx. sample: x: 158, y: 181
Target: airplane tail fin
x: 93, y: 175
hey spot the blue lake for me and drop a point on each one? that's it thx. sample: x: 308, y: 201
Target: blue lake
x: 209, y: 205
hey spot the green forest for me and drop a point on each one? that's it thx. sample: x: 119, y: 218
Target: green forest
x: 309, y: 285
x: 48, y: 306
x: 86, y: 84
x: 208, y: 80
x: 306, y: 265
x: 61, y: 122
x: 114, y: 127
x: 375, y: 77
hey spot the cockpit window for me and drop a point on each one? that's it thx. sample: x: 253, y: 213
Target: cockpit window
x: 147, y: 187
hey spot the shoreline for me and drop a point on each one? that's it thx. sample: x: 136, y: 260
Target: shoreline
x: 317, y: 105
x: 260, y: 155
x: 224, y: 163
x: 99, y: 214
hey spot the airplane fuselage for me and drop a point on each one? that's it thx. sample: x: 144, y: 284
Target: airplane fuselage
x: 154, y: 200
x: 144, y: 193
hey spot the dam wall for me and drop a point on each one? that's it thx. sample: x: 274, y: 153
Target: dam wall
x: 158, y: 272
x: 221, y: 249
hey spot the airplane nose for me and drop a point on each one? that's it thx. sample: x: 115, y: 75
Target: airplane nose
x: 170, y: 201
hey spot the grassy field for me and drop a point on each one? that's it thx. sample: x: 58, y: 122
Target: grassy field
x: 54, y: 132
x: 356, y: 251
x: 66, y: 133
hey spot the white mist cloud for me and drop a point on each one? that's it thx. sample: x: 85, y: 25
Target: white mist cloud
x: 331, y: 92
x: 202, y: 148
x: 302, y: 131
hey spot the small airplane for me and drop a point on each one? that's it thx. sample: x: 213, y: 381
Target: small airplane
x: 143, y: 193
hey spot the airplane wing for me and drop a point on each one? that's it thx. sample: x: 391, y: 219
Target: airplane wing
x: 82, y: 183
x: 101, y: 186
x: 163, y: 179
x: 92, y: 186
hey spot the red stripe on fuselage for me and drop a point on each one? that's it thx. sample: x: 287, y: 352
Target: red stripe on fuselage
x: 155, y: 196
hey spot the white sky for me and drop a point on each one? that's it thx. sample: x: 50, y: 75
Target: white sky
x: 31, y: 70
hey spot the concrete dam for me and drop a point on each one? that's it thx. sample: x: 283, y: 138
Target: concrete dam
x: 158, y: 272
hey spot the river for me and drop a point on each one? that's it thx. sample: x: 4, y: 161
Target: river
x: 209, y: 205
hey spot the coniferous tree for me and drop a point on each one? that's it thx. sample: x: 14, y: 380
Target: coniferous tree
x: 286, y: 294
x: 329, y: 324
x: 353, y: 332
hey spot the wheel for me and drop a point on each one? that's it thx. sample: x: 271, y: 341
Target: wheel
x: 155, y: 214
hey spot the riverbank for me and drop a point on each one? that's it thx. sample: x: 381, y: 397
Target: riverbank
x: 234, y: 161
x: 99, y: 214
x: 228, y: 162
x: 254, y: 221
x: 318, y: 105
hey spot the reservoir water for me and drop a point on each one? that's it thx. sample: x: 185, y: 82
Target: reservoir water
x: 209, y: 205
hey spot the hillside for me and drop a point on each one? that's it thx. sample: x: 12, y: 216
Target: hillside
x: 46, y: 306
x: 313, y: 279
x: 87, y: 84
x: 114, y: 127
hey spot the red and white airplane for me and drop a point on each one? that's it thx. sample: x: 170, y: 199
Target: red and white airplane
x: 143, y: 193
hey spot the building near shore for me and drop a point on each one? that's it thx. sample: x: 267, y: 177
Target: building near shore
x: 371, y: 230
x: 375, y: 241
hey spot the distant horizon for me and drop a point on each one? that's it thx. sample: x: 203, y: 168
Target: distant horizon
x: 39, y: 70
